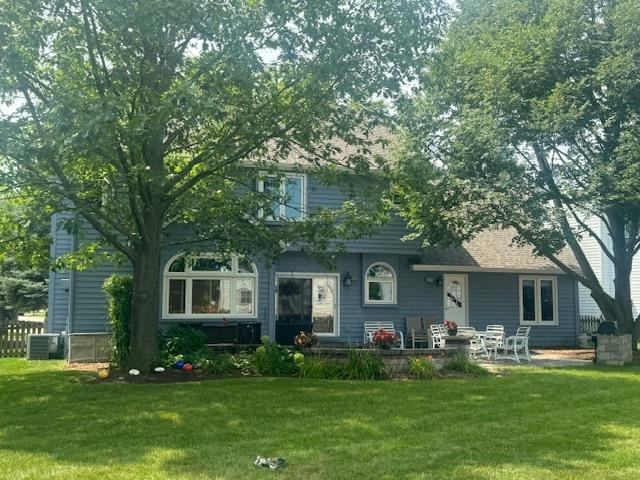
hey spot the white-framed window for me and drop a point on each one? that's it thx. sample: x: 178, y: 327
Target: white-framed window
x: 291, y: 192
x: 206, y: 286
x: 380, y: 284
x: 538, y: 300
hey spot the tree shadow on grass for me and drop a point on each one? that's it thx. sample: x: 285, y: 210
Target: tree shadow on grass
x: 532, y: 422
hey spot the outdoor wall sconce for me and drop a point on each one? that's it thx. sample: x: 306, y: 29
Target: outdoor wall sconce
x: 347, y: 281
x: 431, y: 280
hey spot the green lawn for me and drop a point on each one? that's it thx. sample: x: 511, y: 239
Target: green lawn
x: 531, y: 424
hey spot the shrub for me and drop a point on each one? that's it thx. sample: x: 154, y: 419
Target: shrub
x: 461, y: 363
x: 271, y: 359
x: 423, y: 368
x: 365, y: 365
x: 216, y: 364
x: 188, y: 342
x: 119, y: 292
x: 320, y: 368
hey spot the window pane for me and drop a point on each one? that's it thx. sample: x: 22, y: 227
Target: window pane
x: 378, y: 271
x: 211, y: 265
x: 244, y: 266
x: 293, y: 197
x: 272, y: 189
x: 244, y: 296
x: 546, y: 300
x: 177, y: 265
x: 324, y: 305
x: 528, y: 301
x: 210, y: 296
x: 177, y: 290
x: 381, y: 291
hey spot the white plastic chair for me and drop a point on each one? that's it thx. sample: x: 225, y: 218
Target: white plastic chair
x: 515, y: 344
x: 436, y: 336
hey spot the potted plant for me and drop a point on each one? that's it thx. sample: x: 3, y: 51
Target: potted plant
x: 305, y: 340
x: 451, y: 326
x: 384, y: 339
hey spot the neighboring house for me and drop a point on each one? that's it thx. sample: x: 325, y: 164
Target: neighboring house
x: 603, y: 268
x: 485, y: 281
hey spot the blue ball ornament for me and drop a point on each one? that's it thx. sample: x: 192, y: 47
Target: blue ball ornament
x: 178, y: 365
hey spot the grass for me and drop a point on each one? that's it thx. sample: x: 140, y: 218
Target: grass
x: 532, y: 423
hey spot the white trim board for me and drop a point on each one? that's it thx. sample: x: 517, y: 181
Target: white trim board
x: 420, y: 267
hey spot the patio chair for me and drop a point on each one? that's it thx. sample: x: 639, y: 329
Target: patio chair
x: 467, y: 331
x: 417, y: 331
x: 495, y: 328
x: 515, y: 344
x: 436, y: 336
x: 371, y: 327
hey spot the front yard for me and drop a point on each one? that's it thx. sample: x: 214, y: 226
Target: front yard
x: 532, y: 423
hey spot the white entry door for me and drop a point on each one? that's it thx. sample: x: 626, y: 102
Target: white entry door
x: 456, y: 306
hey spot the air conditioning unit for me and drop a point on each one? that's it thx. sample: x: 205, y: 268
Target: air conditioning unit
x: 39, y: 346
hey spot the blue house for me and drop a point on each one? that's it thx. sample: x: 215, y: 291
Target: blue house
x: 485, y: 281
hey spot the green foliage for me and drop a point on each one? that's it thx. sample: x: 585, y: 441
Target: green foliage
x: 21, y: 290
x: 118, y: 290
x: 530, y: 119
x: 187, y: 342
x: 216, y: 364
x: 423, y: 368
x: 321, y: 368
x: 273, y: 360
x: 365, y: 364
x: 141, y: 117
x: 462, y: 363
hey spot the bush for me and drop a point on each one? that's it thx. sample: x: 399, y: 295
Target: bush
x: 119, y: 292
x: 461, y: 363
x: 187, y: 342
x: 273, y: 360
x: 216, y: 364
x: 365, y: 365
x: 423, y: 368
x: 322, y: 369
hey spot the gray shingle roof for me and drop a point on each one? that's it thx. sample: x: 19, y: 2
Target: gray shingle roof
x: 493, y: 250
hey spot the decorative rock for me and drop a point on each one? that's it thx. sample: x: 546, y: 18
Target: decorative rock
x: 158, y: 369
x: 134, y: 372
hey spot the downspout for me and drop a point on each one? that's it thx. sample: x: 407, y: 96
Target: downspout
x: 576, y: 301
x: 72, y: 282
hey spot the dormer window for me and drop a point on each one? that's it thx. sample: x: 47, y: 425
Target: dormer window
x: 289, y: 192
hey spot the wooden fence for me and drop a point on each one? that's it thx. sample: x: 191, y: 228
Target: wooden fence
x: 589, y: 324
x: 13, y: 338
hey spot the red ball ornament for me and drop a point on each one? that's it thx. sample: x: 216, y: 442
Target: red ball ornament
x: 187, y: 367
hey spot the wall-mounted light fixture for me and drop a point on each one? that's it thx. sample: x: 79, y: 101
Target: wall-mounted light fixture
x: 433, y: 280
x: 347, y: 280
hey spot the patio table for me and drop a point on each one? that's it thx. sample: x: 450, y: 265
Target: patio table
x: 494, y: 339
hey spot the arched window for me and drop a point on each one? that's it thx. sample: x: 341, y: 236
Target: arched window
x: 209, y: 286
x: 380, y: 284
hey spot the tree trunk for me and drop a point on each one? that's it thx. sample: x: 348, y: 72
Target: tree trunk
x: 146, y: 304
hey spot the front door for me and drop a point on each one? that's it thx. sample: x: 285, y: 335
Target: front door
x: 456, y: 298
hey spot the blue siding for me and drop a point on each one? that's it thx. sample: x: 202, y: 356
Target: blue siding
x: 59, y: 281
x: 493, y: 297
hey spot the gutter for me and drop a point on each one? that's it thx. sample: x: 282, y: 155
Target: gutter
x: 419, y: 267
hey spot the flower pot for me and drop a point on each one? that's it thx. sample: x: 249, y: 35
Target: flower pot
x: 385, y: 346
x: 453, y: 332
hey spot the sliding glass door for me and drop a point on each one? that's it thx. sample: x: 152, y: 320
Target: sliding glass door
x: 307, y: 303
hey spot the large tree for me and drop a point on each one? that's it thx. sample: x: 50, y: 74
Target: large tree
x: 529, y: 118
x: 140, y: 117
